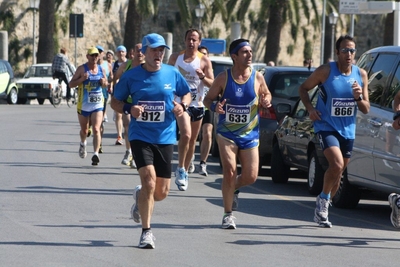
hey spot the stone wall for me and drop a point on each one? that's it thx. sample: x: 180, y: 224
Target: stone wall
x: 107, y: 30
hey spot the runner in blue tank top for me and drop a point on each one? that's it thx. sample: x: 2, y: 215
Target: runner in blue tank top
x: 242, y: 90
x: 343, y: 88
x: 90, y: 78
x: 152, y: 131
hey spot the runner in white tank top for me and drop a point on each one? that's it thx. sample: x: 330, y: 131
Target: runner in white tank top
x: 197, y: 70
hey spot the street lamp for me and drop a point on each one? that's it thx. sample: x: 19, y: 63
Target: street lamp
x: 34, y: 5
x: 200, y: 8
x: 333, y: 18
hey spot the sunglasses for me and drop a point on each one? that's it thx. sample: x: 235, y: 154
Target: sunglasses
x: 347, y: 50
x: 94, y: 55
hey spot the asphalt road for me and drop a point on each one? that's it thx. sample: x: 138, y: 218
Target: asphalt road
x: 58, y: 210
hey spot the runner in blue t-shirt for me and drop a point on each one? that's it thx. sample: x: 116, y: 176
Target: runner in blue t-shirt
x: 343, y: 89
x: 152, y: 130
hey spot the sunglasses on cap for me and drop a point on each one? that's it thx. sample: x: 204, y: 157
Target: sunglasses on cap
x: 347, y: 50
x: 94, y: 55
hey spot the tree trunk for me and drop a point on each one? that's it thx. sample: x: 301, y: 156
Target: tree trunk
x: 388, y: 31
x: 133, y: 32
x: 274, y: 28
x: 45, y: 52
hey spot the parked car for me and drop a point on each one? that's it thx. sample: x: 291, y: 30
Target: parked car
x: 283, y: 82
x: 8, y: 88
x: 295, y: 145
x: 38, y: 83
x: 375, y: 163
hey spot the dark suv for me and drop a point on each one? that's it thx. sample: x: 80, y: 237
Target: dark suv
x: 283, y: 82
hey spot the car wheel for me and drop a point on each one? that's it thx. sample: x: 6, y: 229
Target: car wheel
x: 12, y: 97
x: 41, y: 101
x: 315, y: 177
x: 21, y: 100
x: 279, y: 170
x: 348, y: 195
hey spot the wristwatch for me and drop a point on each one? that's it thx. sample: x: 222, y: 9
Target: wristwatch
x: 184, y: 106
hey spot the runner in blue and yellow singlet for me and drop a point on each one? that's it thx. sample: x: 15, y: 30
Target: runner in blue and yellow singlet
x: 242, y: 90
x: 90, y: 78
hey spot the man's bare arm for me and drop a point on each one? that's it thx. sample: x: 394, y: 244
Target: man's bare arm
x: 263, y: 91
x: 206, y: 71
x: 216, y: 89
x: 172, y: 59
x: 79, y: 77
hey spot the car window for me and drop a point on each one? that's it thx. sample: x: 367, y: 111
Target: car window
x: 301, y: 110
x: 378, y: 76
x: 287, y: 85
x: 38, y: 71
x: 3, y: 68
x: 366, y: 60
x: 388, y: 96
x: 220, y: 67
x: 258, y: 66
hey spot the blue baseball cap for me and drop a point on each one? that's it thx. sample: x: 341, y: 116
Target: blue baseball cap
x: 153, y: 40
x: 121, y: 48
x: 100, y: 48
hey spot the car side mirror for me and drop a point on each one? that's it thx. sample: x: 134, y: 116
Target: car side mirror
x: 283, y: 108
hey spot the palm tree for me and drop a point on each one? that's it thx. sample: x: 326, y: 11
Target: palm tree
x: 281, y: 11
x: 46, y: 31
x: 137, y: 11
x: 275, y: 25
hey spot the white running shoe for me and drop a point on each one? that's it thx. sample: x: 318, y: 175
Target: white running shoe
x: 203, y: 169
x: 135, y: 215
x: 228, y: 222
x: 321, y: 212
x: 147, y: 240
x: 180, y: 177
x: 191, y: 168
x: 184, y: 187
x: 127, y: 158
x: 82, y: 151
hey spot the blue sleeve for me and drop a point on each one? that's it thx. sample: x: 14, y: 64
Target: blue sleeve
x: 122, y: 89
x: 182, y: 87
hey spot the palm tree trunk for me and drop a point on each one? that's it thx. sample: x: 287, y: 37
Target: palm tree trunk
x: 133, y: 30
x: 388, y: 31
x: 45, y: 50
x: 275, y: 24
